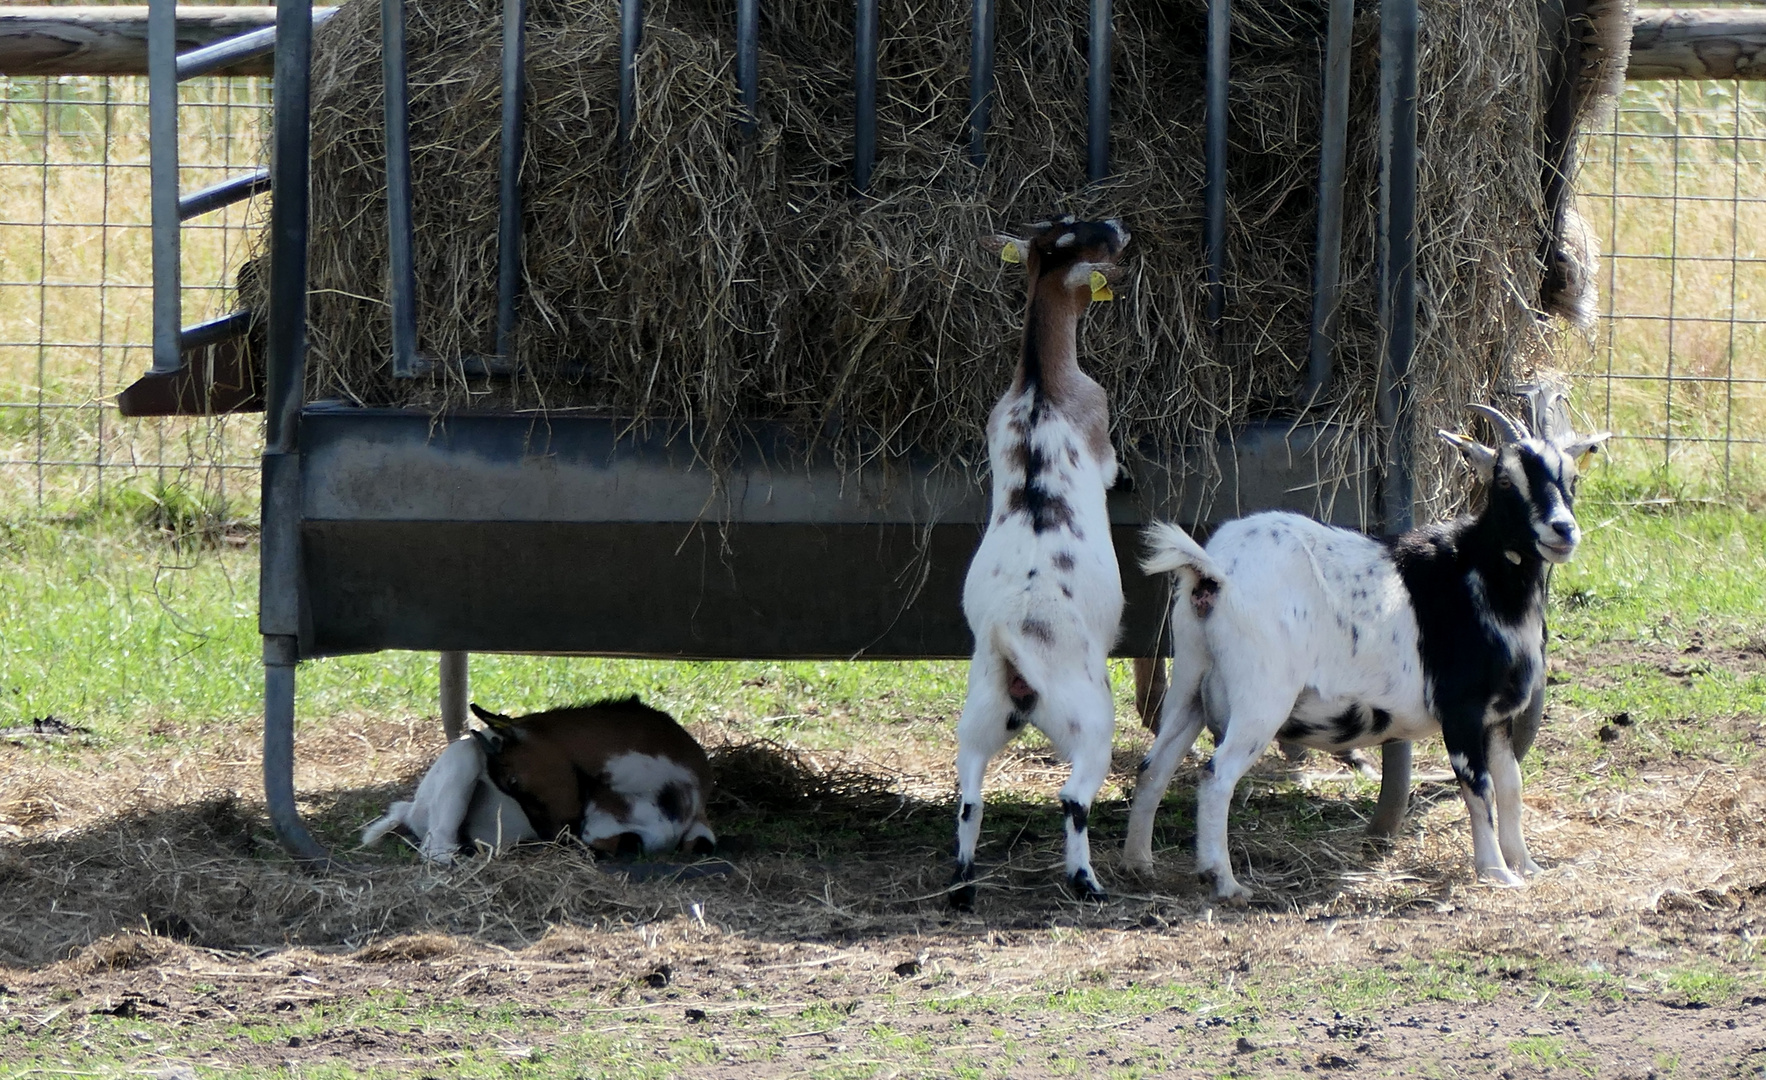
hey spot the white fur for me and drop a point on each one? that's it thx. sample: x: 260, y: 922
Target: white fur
x: 638, y: 778
x: 1014, y: 581
x: 455, y: 792
x: 1308, y: 621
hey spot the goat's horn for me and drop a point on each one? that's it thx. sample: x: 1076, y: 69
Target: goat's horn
x: 1510, y: 431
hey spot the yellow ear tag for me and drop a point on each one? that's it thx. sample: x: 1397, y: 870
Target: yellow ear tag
x: 1582, y: 462
x: 1009, y: 254
x: 1100, y: 286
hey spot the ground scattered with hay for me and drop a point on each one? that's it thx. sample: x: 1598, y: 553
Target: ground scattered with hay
x: 153, y: 923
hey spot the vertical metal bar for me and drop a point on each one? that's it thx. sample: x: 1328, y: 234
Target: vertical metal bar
x: 981, y: 27
x: 1396, y: 258
x: 1394, y: 790
x: 631, y: 36
x: 1097, y: 126
x: 401, y: 261
x: 1333, y: 145
x: 162, y: 131
x: 864, y: 144
x: 509, y: 178
x: 1673, y: 289
x: 279, y: 565
x: 748, y: 62
x: 286, y: 364
x: 279, y: 754
x: 1397, y: 255
x: 1214, y: 158
x: 455, y: 692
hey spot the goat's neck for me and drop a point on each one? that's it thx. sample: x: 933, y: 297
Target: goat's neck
x: 1048, y: 360
x: 1512, y: 586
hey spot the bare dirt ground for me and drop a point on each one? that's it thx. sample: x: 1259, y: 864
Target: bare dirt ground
x: 151, y: 925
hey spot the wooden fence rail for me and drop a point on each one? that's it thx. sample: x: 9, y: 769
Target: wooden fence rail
x: 1667, y: 43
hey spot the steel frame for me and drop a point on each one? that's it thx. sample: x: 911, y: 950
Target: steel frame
x: 566, y: 535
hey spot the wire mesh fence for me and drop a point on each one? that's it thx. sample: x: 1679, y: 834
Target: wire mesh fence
x: 75, y: 293
x: 1674, y: 188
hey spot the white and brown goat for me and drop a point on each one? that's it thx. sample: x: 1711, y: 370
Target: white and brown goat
x: 618, y: 775
x: 1043, y: 594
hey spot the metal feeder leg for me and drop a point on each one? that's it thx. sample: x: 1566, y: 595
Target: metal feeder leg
x: 454, y: 693
x: 279, y: 653
x: 1394, y: 790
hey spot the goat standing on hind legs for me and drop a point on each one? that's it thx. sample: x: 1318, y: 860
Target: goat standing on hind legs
x: 1285, y: 628
x: 1044, y: 594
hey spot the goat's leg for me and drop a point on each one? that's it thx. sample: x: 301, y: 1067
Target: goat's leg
x: 980, y: 734
x: 444, y: 798
x: 1178, y: 727
x: 1468, y: 753
x: 1505, y: 776
x: 1255, y: 715
x: 1093, y: 723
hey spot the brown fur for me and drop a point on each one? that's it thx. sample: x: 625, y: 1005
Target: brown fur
x: 554, y: 763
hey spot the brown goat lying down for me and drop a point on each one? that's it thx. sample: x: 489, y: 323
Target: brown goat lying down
x: 618, y: 775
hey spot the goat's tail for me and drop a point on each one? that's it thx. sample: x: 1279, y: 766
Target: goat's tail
x: 395, y: 819
x: 1170, y: 549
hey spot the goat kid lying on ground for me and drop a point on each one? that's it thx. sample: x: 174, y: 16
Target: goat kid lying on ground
x: 1043, y: 594
x: 1286, y: 628
x: 618, y: 775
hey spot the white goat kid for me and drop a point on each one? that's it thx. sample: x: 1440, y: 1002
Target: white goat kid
x: 1043, y: 595
x: 1286, y: 628
x: 457, y: 807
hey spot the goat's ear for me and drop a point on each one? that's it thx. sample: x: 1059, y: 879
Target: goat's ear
x: 490, y: 719
x: 1480, y: 457
x: 1583, y: 447
x: 1008, y: 248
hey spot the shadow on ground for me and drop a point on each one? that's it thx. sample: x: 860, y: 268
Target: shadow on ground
x: 819, y: 853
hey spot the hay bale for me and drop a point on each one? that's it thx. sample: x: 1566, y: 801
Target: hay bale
x: 705, y: 279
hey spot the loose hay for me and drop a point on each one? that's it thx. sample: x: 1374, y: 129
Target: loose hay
x: 826, y: 848
x: 704, y: 279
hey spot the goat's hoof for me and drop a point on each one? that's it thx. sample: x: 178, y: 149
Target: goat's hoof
x: 1527, y: 868
x: 962, y: 898
x: 1087, y: 887
x: 1139, y: 866
x: 1226, y: 889
x: 1501, y: 876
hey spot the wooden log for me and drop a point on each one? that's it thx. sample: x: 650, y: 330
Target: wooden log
x: 1698, y: 43
x: 113, y: 40
x: 1667, y: 43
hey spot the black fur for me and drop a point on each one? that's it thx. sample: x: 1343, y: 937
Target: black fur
x: 1075, y: 814
x: 1470, y: 669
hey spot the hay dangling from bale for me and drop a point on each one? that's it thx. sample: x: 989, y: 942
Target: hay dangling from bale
x: 699, y: 277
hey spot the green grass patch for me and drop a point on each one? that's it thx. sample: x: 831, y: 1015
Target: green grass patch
x: 1549, y: 1052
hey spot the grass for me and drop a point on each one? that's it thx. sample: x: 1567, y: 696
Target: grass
x: 178, y: 637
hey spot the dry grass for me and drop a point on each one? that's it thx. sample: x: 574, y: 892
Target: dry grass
x: 830, y: 846
x: 75, y: 315
x: 703, y: 279
x: 1676, y: 193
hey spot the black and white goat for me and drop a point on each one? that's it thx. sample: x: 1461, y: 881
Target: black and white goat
x: 1286, y: 628
x: 1044, y: 594
x: 620, y: 776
